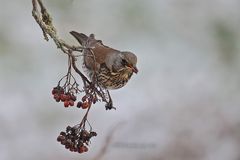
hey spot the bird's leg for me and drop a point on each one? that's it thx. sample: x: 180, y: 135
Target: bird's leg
x: 109, y: 104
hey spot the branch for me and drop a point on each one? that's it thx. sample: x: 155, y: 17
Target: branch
x: 44, y: 20
x: 108, y: 141
x: 77, y: 137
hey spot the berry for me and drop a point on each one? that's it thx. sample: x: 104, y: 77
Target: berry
x: 61, y: 90
x: 69, y: 128
x: 71, y: 103
x: 85, y: 105
x: 56, y: 97
x: 60, y: 138
x: 85, y: 149
x: 63, y: 134
x: 93, y: 134
x: 75, y: 139
x: 94, y: 100
x: 54, y: 91
x: 63, y: 97
x: 79, y: 104
x: 84, y: 98
x: 71, y: 149
x: 66, y: 103
x: 67, y: 96
x: 81, y: 149
x: 74, y: 98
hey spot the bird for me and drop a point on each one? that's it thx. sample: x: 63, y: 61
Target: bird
x: 110, y: 67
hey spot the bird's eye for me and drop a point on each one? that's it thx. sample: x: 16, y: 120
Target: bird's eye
x: 124, y: 62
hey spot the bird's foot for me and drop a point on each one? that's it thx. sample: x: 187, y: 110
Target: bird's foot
x: 109, y: 106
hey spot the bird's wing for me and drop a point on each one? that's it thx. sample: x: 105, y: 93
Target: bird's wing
x: 97, y: 53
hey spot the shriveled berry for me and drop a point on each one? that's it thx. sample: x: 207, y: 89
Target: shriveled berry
x: 67, y: 146
x: 63, y: 133
x: 69, y: 142
x: 79, y: 104
x: 56, y: 97
x: 75, y: 149
x: 94, y: 100
x: 84, y: 134
x: 69, y: 128
x: 66, y: 103
x: 93, y: 134
x: 60, y: 138
x: 63, y: 142
x: 84, y: 98
x: 74, y: 98
x: 57, y: 100
x: 71, y: 149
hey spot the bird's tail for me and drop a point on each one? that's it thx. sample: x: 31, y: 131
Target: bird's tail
x: 81, y: 38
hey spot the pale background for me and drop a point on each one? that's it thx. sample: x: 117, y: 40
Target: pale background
x: 183, y: 105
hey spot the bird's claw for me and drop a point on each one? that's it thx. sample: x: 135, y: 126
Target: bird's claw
x: 109, y: 106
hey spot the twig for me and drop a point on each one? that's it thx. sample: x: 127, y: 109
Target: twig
x: 108, y: 141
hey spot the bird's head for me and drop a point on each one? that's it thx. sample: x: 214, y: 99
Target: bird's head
x: 129, y: 60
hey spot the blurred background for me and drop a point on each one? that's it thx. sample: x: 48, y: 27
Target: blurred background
x: 184, y: 103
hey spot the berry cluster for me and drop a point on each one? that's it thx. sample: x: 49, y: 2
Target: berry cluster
x: 76, y: 139
x: 67, y: 98
x: 86, y: 102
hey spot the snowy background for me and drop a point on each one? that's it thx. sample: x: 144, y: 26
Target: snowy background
x: 184, y: 104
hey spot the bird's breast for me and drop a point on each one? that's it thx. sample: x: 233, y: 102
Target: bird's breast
x: 114, y: 80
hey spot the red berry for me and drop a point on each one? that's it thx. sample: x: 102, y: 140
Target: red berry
x: 67, y: 97
x: 85, y: 105
x: 56, y: 97
x: 54, y: 91
x: 81, y: 149
x: 63, y: 97
x: 85, y: 148
x: 71, y: 103
x: 66, y: 103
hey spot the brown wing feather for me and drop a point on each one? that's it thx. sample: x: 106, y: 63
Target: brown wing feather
x: 101, y: 52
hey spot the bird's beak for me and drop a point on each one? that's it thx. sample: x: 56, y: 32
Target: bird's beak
x: 135, y: 70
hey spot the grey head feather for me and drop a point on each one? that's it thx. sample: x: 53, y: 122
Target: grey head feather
x: 113, y: 61
x: 130, y: 58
